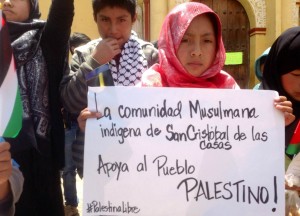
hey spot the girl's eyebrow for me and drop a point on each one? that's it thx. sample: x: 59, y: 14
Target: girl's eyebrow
x: 203, y: 35
x: 187, y: 35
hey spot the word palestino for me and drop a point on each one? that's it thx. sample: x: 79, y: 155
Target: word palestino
x: 125, y: 208
x: 238, y: 191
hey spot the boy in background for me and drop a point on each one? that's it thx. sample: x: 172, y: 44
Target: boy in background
x: 69, y: 172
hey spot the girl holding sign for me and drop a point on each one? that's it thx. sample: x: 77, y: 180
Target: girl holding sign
x: 192, y: 54
x: 282, y: 74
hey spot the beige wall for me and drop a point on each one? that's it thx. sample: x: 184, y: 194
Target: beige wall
x: 83, y: 19
x: 158, y: 12
x: 279, y: 17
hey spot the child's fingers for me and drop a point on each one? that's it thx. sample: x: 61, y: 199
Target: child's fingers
x: 5, y: 162
x: 5, y: 156
x: 5, y: 171
x: 5, y: 166
x: 284, y: 108
x: 84, y: 115
x: 4, y: 146
x: 289, y: 118
x: 280, y: 99
x: 284, y: 103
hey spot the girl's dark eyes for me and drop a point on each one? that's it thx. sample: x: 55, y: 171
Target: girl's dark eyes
x: 184, y: 40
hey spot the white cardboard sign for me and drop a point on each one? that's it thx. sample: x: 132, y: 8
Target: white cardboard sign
x: 183, y: 151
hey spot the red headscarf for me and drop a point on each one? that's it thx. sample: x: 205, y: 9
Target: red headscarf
x: 169, y: 71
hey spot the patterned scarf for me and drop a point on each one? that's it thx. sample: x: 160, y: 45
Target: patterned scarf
x: 32, y: 76
x: 131, y: 65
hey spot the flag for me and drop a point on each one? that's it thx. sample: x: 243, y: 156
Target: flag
x: 10, y: 100
x: 294, y: 146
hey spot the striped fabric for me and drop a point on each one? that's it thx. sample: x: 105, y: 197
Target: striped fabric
x: 294, y: 146
x: 10, y: 101
x: 78, y: 152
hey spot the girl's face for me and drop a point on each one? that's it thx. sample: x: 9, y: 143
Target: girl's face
x: 16, y: 10
x: 291, y: 84
x: 198, y: 47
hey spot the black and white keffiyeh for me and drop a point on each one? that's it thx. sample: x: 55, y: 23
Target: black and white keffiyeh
x: 131, y: 65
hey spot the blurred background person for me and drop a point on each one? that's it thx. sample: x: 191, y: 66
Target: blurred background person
x: 71, y: 126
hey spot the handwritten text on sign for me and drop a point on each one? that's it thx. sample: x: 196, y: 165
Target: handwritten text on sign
x: 177, y: 151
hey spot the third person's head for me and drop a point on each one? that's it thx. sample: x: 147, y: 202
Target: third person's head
x: 115, y: 18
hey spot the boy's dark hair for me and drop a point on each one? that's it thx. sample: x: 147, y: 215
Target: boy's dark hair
x: 77, y: 39
x: 129, y: 5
